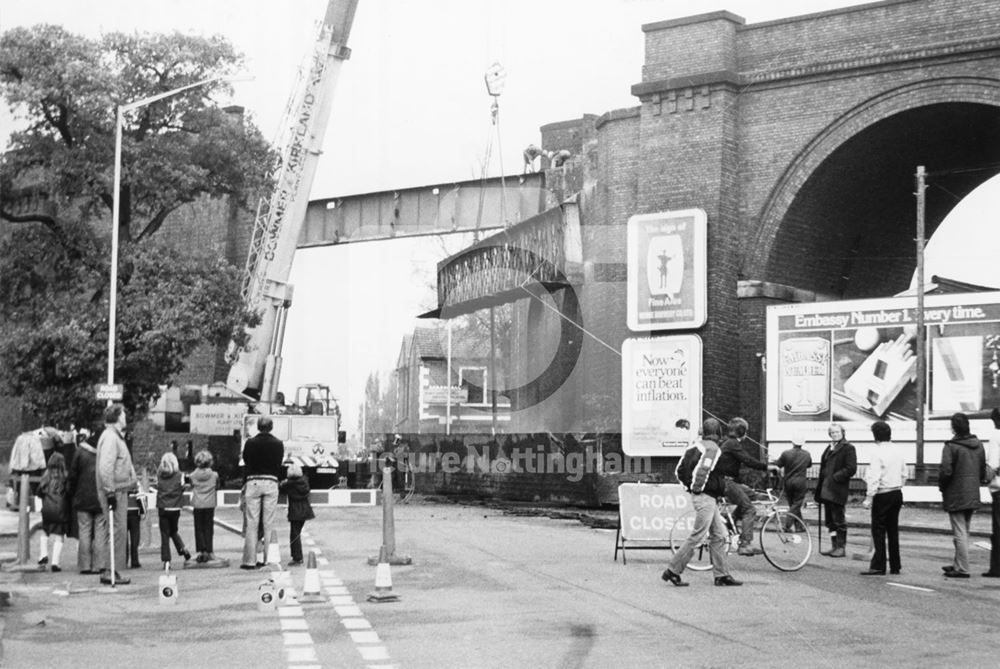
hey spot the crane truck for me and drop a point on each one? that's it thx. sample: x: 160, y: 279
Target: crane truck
x: 310, y: 427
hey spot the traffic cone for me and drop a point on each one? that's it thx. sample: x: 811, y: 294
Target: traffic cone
x: 383, y: 581
x: 310, y: 586
x: 273, y: 550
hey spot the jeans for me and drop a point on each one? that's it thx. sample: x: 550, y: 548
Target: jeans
x: 133, y: 523
x: 960, y: 522
x: 169, y: 520
x: 746, y: 513
x: 836, y: 520
x: 295, y: 538
x: 120, y: 528
x: 92, y: 554
x: 707, y: 520
x: 795, y: 491
x: 261, y: 503
x: 204, y: 534
x: 885, y: 527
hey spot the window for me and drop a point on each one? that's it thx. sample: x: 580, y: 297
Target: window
x: 473, y: 379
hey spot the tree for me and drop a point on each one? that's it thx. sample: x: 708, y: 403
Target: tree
x: 56, y: 183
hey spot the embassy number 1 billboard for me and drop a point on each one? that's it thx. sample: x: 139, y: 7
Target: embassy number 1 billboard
x: 854, y: 362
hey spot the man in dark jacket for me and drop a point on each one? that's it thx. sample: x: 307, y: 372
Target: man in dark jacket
x: 963, y: 469
x: 838, y: 464
x: 92, y: 554
x: 696, y: 471
x: 732, y: 458
x: 263, y: 455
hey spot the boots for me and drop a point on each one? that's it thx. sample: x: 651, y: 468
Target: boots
x: 838, y: 547
x: 841, y: 544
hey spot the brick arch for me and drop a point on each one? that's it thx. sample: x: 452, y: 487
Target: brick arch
x: 976, y: 90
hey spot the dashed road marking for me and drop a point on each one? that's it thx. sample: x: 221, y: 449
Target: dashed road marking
x: 299, y: 645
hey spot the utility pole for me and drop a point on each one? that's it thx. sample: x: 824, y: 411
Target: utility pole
x: 921, y: 468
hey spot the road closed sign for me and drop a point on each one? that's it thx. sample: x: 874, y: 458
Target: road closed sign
x: 649, y: 514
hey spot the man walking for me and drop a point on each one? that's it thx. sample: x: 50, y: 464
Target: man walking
x: 696, y: 471
x: 115, y: 477
x: 262, y: 458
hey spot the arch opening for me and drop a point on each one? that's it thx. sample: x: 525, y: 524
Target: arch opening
x: 849, y: 231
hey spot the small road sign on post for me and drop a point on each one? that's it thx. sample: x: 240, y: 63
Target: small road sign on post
x: 110, y: 391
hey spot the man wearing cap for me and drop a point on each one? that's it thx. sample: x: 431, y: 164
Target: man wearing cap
x: 794, y: 463
x: 262, y: 457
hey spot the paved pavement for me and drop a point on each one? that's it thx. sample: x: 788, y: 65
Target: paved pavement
x: 521, y: 584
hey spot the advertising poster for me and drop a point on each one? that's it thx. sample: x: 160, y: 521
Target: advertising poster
x: 661, y: 384
x: 667, y: 256
x: 856, y: 362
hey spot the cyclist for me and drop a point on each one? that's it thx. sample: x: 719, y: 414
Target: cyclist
x: 733, y: 455
x: 698, y: 472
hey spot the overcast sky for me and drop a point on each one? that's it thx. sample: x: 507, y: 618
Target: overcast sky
x: 411, y: 109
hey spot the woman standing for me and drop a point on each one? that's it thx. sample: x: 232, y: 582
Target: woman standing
x: 837, y: 466
x: 885, y: 479
x: 963, y: 469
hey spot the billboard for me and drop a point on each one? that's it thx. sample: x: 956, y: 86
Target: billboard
x: 661, y: 383
x: 667, y: 261
x: 855, y: 362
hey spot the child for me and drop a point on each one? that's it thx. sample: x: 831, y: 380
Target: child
x: 169, y: 493
x: 133, y: 526
x: 55, y: 509
x: 203, y: 485
x: 296, y: 487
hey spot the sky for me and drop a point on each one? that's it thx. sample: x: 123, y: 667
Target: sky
x: 411, y: 108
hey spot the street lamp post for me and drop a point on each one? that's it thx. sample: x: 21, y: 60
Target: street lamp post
x: 115, y: 206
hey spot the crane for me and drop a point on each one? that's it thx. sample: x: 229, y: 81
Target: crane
x: 310, y: 440
x: 255, y: 367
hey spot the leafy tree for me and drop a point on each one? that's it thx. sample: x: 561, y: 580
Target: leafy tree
x: 56, y: 195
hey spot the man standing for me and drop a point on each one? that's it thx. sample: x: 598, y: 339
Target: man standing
x: 262, y: 458
x: 733, y: 455
x: 838, y: 464
x: 115, y: 477
x: 963, y: 469
x: 696, y: 471
x: 993, y: 460
x: 795, y: 462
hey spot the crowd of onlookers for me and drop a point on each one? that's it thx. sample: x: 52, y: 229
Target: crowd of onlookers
x: 89, y: 490
x: 713, y: 468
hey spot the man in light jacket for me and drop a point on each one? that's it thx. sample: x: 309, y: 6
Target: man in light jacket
x: 115, y: 477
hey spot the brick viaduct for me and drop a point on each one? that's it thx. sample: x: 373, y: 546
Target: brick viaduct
x: 800, y: 138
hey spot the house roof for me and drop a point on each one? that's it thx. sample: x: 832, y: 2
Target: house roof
x: 432, y: 342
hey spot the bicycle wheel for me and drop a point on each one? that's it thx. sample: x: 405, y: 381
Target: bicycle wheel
x: 786, y: 541
x: 700, y: 558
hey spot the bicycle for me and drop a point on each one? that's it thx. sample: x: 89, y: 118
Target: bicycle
x: 784, y: 537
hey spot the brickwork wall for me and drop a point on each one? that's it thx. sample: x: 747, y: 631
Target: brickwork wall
x: 692, y: 45
x: 862, y: 31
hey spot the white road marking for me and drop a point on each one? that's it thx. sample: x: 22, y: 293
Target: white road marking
x: 356, y: 623
x: 298, y: 641
x: 910, y: 587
